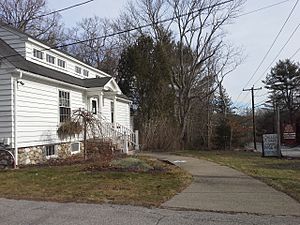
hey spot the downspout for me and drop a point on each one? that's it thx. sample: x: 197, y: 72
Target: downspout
x: 15, y: 118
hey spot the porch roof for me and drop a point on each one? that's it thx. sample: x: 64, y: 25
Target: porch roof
x: 21, y: 63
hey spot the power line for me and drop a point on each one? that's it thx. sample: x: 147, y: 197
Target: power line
x: 295, y: 53
x: 142, y: 26
x: 259, y: 96
x: 260, y: 103
x: 272, y: 45
x: 131, y: 29
x: 280, y: 51
x: 63, y: 9
x: 263, y: 8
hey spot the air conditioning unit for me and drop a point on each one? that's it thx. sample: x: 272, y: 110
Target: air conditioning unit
x: 75, y: 147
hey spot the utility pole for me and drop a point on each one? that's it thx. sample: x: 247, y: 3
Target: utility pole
x: 253, y: 113
x: 278, y: 132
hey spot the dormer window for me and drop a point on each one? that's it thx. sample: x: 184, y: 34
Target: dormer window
x: 78, y: 69
x: 61, y: 63
x: 86, y: 73
x: 38, y: 54
x: 50, y: 59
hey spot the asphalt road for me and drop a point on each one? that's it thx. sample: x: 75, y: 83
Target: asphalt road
x: 13, y: 212
x: 285, y: 150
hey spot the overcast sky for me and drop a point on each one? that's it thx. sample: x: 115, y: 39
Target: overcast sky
x: 254, y: 33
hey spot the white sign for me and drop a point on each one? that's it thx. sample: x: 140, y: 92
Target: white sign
x: 179, y: 161
x: 270, y: 145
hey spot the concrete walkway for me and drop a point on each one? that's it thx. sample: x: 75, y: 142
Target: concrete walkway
x: 222, y: 189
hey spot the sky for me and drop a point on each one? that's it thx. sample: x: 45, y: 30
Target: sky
x: 254, y: 33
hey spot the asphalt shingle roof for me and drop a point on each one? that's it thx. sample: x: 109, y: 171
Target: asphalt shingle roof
x: 21, y: 63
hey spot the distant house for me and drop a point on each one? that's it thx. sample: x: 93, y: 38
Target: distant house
x: 39, y: 88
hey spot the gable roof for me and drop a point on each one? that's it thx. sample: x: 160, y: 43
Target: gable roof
x: 30, y: 38
x: 20, y: 62
x: 27, y: 36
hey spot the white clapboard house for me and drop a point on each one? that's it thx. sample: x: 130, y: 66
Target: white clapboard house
x: 39, y: 89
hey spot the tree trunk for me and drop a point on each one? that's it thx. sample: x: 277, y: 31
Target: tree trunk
x: 84, y: 140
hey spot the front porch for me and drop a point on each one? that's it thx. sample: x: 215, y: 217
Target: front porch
x: 112, y: 110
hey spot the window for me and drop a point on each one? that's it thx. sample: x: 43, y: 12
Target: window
x: 78, y: 69
x: 86, y: 73
x: 50, y: 150
x: 112, y: 110
x: 50, y: 59
x: 94, y: 106
x: 75, y: 147
x: 61, y: 63
x: 38, y: 54
x: 64, y: 106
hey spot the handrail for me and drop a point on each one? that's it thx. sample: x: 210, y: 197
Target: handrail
x: 120, y: 132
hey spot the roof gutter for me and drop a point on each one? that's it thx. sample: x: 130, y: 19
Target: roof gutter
x: 49, y: 79
x: 124, y: 99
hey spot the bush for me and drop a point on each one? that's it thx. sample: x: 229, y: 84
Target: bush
x: 132, y: 164
x: 100, y: 150
x: 69, y: 129
x: 160, y: 135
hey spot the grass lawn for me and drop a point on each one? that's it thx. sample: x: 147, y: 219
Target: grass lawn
x: 282, y: 174
x: 77, y: 183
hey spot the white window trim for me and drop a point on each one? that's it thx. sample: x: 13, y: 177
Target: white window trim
x: 76, y: 152
x: 36, y: 58
x: 57, y: 61
x: 55, y: 156
x: 78, y: 70
x: 87, y: 71
x: 58, y: 106
x: 54, y: 59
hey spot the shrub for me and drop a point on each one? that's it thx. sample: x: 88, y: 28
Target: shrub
x: 160, y: 134
x: 132, y: 164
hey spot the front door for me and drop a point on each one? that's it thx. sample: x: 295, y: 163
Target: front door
x: 94, y: 106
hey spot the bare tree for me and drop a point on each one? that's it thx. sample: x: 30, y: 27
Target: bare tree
x: 99, y: 50
x: 81, y: 122
x: 199, y: 26
x: 29, y: 16
x: 201, y: 58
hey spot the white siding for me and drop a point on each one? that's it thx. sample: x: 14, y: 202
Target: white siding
x: 24, y: 46
x: 13, y: 40
x: 38, y: 112
x: 107, y: 109
x: 70, y: 62
x: 123, y: 114
x: 5, y: 104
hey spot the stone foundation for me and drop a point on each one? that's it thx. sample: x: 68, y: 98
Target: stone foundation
x: 31, y: 155
x: 37, y: 154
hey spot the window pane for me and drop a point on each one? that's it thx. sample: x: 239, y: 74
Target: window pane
x: 86, y: 73
x: 50, y: 150
x: 38, y: 54
x: 64, y: 106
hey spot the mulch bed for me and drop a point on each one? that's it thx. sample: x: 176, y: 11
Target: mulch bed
x: 96, y: 168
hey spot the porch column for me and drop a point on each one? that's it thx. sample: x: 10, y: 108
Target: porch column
x: 100, y: 103
x: 115, y: 112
